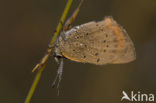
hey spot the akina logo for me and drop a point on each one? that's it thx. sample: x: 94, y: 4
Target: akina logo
x: 138, y: 96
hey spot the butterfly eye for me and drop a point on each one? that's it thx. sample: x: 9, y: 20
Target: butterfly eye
x: 55, y: 55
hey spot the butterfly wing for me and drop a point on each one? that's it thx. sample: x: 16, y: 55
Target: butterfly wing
x: 98, y: 43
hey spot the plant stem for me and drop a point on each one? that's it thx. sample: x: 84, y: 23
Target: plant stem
x: 39, y: 72
x: 34, y: 85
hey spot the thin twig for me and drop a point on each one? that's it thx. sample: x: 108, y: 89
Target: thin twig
x: 42, y: 64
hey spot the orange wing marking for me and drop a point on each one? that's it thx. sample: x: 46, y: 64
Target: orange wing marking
x: 116, y: 31
x: 119, y: 37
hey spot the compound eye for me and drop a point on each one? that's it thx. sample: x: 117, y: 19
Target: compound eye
x: 57, y: 55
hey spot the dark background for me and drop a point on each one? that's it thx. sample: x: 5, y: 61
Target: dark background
x: 26, y: 27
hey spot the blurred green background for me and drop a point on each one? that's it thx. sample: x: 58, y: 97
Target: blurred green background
x: 26, y: 29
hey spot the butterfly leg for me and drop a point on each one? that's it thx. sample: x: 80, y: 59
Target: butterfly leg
x: 59, y: 73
